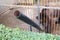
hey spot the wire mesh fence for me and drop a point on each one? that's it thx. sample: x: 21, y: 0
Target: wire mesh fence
x: 46, y: 15
x: 49, y: 16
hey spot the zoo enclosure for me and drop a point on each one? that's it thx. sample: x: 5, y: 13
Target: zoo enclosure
x: 34, y: 9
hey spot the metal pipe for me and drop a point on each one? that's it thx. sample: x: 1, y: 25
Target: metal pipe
x: 26, y: 19
x: 38, y: 12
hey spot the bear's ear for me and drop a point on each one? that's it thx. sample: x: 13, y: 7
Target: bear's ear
x: 16, y: 13
x: 37, y: 17
x: 40, y: 16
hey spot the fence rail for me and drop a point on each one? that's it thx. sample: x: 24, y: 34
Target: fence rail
x: 18, y: 6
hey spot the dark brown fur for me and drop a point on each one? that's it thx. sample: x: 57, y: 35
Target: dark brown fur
x: 47, y: 17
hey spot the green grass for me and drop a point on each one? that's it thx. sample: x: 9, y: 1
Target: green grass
x: 7, y: 33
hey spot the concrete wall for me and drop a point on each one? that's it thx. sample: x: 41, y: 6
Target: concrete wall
x: 10, y: 20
